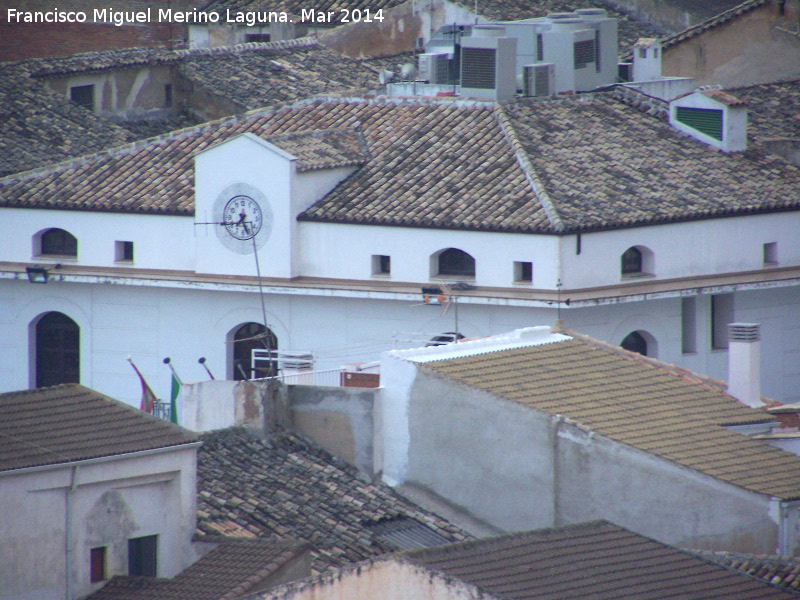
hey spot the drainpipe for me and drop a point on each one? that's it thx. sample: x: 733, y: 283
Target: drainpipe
x: 68, y: 532
x: 556, y: 428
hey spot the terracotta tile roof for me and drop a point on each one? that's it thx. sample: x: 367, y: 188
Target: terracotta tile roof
x: 585, y: 163
x: 286, y: 486
x: 324, y: 149
x: 66, y: 423
x: 42, y: 127
x: 253, y: 76
x: 640, y: 402
x: 229, y: 571
x: 595, y: 560
x: 773, y: 109
x: 783, y: 571
x: 605, y: 164
x: 724, y: 97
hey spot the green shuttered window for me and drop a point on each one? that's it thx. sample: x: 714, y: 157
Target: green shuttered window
x: 704, y: 120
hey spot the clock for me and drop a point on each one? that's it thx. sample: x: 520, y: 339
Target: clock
x: 243, y: 218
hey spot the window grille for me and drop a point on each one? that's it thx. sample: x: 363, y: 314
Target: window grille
x: 478, y: 68
x: 539, y: 47
x: 584, y: 53
x: 704, y: 120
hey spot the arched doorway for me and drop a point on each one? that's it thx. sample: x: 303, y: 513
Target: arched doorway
x: 58, y: 355
x: 246, y: 338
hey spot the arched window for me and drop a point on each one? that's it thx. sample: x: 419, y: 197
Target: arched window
x: 246, y: 338
x: 456, y: 262
x: 635, y: 342
x: 57, y: 242
x: 57, y: 350
x: 631, y: 261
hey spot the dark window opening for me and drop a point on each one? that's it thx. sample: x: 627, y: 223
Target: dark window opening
x: 59, y: 243
x: 631, y: 261
x: 256, y: 37
x: 381, y: 264
x: 167, y: 95
x: 248, y: 337
x: 523, y: 272
x: 83, y: 95
x: 642, y: 52
x: 456, y: 262
x: 142, y: 556
x: 578, y: 244
x: 57, y: 350
x: 98, y: 564
x: 539, y: 47
x: 635, y: 342
x: 583, y: 53
x: 124, y: 251
x: 721, y: 315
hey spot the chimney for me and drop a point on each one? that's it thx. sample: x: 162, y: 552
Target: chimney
x: 744, y: 349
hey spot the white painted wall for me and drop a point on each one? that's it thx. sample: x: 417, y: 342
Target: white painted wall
x: 55, y: 512
x: 708, y: 247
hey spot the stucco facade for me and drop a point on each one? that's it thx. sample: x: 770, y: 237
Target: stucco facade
x: 61, y: 512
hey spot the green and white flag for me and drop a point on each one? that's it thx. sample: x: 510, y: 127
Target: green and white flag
x: 173, y: 405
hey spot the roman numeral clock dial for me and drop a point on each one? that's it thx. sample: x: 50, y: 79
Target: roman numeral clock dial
x: 244, y: 218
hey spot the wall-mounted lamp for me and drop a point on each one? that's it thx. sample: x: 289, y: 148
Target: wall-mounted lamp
x: 36, y: 274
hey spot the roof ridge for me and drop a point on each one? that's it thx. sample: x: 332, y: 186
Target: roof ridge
x: 307, y: 41
x: 714, y: 21
x: 527, y: 168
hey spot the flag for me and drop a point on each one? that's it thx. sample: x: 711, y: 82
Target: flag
x: 148, y: 397
x: 173, y: 405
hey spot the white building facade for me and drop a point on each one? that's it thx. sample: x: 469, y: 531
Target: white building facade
x: 180, y: 285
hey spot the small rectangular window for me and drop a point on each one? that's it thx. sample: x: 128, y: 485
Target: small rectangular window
x: 771, y: 253
x: 142, y: 558
x: 721, y: 315
x: 256, y: 37
x: 597, y: 50
x: 523, y: 272
x: 539, y: 47
x: 688, y: 325
x: 167, y: 95
x: 98, y: 564
x: 123, y: 251
x: 642, y: 52
x: 704, y: 120
x: 578, y: 244
x: 83, y: 95
x: 381, y: 264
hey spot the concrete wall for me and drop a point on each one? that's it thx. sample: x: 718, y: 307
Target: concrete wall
x: 127, y: 94
x: 757, y: 47
x: 339, y: 419
x: 57, y: 514
x: 519, y: 469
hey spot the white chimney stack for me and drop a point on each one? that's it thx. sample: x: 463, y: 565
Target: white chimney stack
x: 744, y: 350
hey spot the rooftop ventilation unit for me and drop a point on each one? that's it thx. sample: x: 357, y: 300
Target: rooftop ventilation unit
x: 539, y: 80
x: 433, y: 68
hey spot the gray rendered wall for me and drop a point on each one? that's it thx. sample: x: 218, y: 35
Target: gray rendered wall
x: 489, y: 456
x: 339, y: 419
x: 518, y: 469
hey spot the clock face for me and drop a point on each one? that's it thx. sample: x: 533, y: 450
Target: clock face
x: 243, y: 218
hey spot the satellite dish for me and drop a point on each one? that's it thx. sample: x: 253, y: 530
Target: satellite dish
x: 408, y: 72
x: 385, y: 76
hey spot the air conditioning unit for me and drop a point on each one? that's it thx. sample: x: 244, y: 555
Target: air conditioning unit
x: 539, y: 80
x: 433, y: 68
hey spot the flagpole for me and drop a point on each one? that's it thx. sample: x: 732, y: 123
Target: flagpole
x: 175, y: 389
